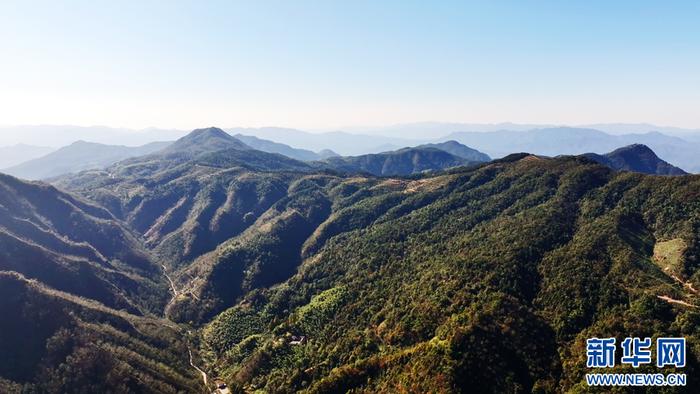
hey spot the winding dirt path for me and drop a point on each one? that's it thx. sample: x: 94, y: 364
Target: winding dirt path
x: 204, y: 374
x: 675, y: 301
x: 172, y: 284
x: 173, y: 289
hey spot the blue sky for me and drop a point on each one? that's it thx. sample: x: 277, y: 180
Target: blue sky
x: 326, y: 64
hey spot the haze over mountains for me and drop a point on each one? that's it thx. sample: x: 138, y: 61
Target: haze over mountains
x: 213, y: 249
x: 20, y: 153
x: 680, y: 150
x: 79, y: 156
x: 572, y: 141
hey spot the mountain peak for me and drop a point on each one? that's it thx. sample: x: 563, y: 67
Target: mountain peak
x: 205, y: 140
x: 636, y: 158
x: 459, y: 150
x: 633, y: 148
x: 209, y: 132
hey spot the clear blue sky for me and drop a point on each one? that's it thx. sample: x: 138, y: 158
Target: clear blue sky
x: 320, y: 64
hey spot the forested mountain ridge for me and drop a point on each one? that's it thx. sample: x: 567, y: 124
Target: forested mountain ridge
x: 401, y: 162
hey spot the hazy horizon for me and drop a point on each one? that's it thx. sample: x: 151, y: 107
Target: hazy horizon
x: 56, y: 136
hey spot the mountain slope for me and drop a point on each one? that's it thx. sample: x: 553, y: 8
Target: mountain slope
x: 401, y: 162
x: 636, y: 158
x: 77, y: 157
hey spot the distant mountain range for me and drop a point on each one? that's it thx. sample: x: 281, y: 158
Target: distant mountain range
x: 62, y: 135
x: 79, y: 156
x: 420, y: 157
x: 82, y: 155
x: 283, y: 149
x: 574, y: 141
x: 422, y: 130
x: 345, y: 144
x: 16, y: 154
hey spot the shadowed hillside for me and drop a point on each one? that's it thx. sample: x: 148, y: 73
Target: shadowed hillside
x: 78, y: 293
x: 56, y: 342
x: 74, y: 246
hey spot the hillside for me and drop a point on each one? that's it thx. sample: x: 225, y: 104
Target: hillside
x: 77, y: 157
x: 405, y: 161
x: 636, y: 158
